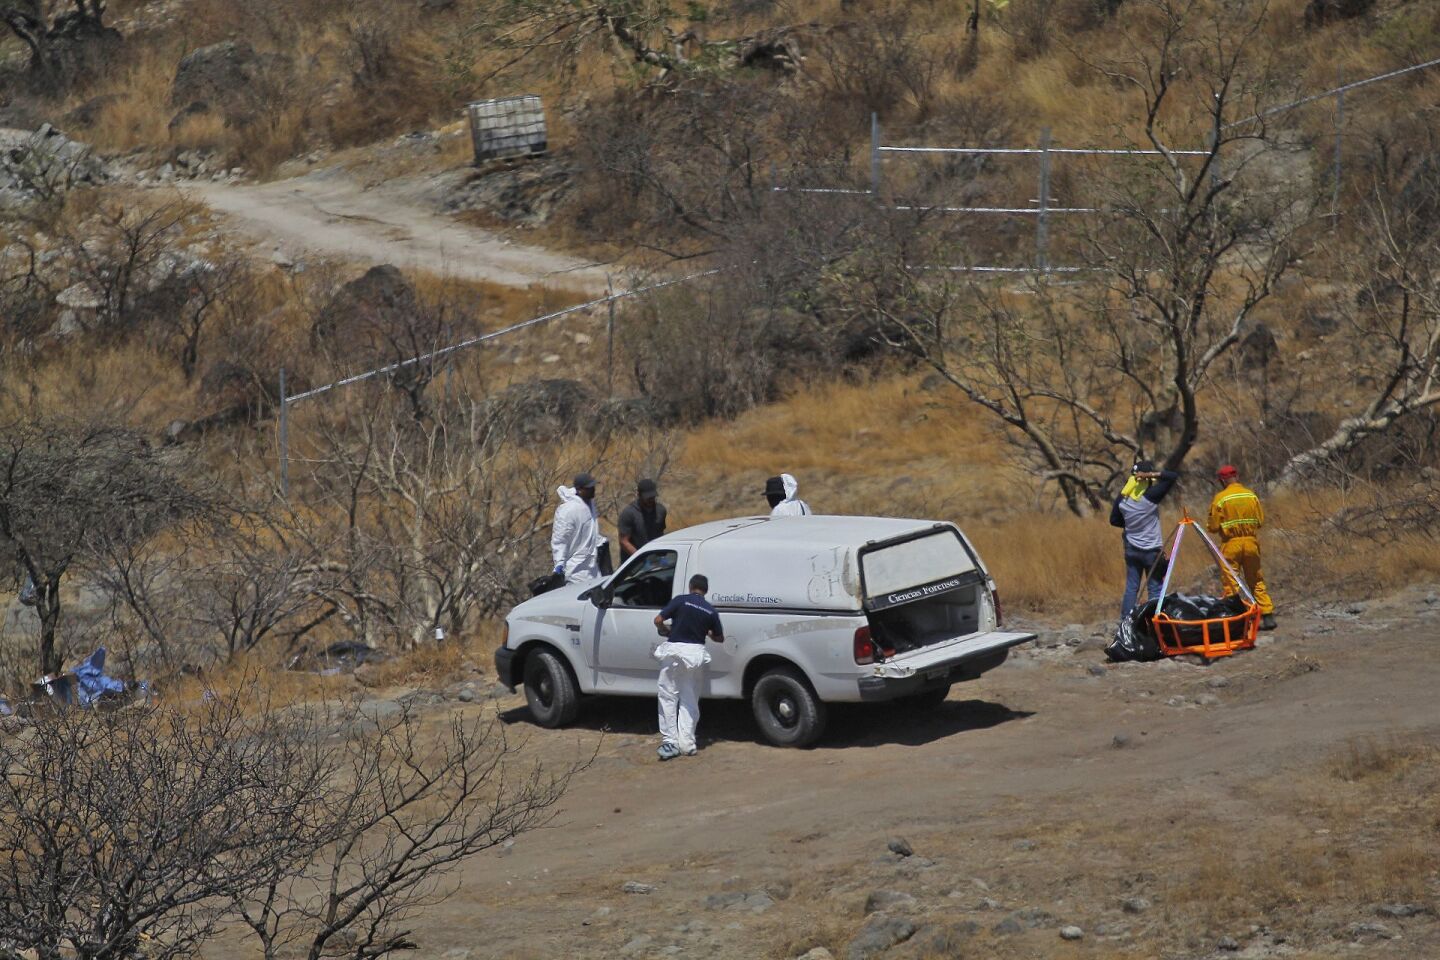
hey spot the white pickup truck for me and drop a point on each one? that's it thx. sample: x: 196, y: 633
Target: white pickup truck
x: 816, y: 610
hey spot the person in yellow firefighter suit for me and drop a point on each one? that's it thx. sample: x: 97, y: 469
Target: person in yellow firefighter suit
x: 1236, y: 518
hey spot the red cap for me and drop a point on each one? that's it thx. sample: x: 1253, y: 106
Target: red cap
x: 1226, y: 472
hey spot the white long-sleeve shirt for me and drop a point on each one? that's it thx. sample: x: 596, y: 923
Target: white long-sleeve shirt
x: 575, y: 537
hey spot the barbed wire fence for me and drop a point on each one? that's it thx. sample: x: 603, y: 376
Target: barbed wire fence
x: 1043, y: 209
x: 286, y: 402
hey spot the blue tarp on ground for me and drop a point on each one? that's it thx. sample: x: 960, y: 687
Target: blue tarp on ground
x: 93, y: 682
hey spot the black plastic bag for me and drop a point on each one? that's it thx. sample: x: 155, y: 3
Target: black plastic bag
x: 603, y: 563
x: 1135, y: 636
x: 551, y: 581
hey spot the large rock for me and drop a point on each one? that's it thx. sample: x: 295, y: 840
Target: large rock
x: 879, y: 935
x: 382, y: 298
x: 43, y: 165
x: 545, y: 409
x: 229, y: 77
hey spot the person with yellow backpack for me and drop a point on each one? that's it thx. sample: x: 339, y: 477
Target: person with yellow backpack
x: 1236, y: 518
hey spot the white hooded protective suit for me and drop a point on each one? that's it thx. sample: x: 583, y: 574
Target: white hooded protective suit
x: 791, y: 506
x: 574, y: 537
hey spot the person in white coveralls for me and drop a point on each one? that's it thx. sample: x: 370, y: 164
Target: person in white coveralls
x: 575, y: 534
x: 682, y: 665
x: 782, y: 494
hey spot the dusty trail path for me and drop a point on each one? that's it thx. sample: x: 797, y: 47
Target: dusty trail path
x: 329, y: 213
x: 1002, y: 783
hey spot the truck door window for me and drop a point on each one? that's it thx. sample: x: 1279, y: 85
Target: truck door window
x: 649, y: 581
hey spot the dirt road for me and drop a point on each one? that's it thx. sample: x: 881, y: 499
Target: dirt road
x: 330, y: 214
x: 1054, y: 791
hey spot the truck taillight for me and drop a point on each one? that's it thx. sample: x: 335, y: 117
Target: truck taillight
x: 995, y: 601
x: 864, y: 646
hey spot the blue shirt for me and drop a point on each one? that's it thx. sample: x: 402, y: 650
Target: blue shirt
x: 691, y: 618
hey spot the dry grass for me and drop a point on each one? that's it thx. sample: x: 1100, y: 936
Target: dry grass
x: 136, y: 117
x: 1357, y: 830
x: 1368, y: 758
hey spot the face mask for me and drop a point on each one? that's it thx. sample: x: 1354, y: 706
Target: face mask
x: 1135, y: 488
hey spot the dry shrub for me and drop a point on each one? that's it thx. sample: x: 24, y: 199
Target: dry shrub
x: 204, y: 131
x: 881, y: 64
x: 132, y: 112
x: 397, y: 82
x: 261, y: 147
x: 1029, y: 24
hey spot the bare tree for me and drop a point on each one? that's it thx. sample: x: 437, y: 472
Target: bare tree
x: 214, y: 587
x: 121, y: 254
x: 1093, y: 375
x: 1392, y: 320
x: 409, y: 807
x: 140, y: 832
x: 64, y: 485
x: 119, y: 830
x: 51, y: 29
x: 195, y: 296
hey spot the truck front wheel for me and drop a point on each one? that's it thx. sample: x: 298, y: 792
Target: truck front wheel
x: 550, y: 689
x: 786, y: 709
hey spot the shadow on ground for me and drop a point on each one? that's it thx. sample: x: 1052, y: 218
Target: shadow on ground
x: 850, y: 725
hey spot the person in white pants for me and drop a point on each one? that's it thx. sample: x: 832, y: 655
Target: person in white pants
x: 682, y: 665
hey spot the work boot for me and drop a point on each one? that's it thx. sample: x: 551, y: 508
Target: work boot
x: 1267, y: 622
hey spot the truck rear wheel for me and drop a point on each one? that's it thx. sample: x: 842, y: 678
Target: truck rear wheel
x: 786, y: 709
x: 550, y: 689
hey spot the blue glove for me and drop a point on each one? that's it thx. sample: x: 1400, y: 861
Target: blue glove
x: 559, y: 568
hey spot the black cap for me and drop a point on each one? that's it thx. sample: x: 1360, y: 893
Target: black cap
x: 584, y: 481
x: 646, y: 487
x: 1143, y: 466
x: 775, y: 485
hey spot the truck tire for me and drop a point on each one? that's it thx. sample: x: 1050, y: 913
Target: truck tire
x: 550, y: 689
x: 786, y: 709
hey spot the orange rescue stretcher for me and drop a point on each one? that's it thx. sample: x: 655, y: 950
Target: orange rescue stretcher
x: 1219, y: 636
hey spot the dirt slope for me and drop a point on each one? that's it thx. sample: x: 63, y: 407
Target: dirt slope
x: 1017, y: 801
x: 330, y: 214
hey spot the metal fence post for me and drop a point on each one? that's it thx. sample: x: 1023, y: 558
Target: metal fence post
x: 1042, y: 239
x: 284, y: 439
x: 610, y: 341
x: 1339, y: 135
x: 875, y: 154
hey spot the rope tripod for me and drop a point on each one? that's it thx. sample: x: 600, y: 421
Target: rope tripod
x: 1218, y: 636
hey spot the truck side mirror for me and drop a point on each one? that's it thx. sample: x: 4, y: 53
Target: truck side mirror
x: 601, y: 598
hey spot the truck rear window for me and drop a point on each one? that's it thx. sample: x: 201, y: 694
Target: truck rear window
x: 895, y: 569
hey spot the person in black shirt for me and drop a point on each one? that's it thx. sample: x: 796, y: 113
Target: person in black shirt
x: 682, y: 664
x: 641, y: 521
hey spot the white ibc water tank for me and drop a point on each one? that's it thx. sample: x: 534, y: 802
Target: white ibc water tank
x: 509, y: 127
